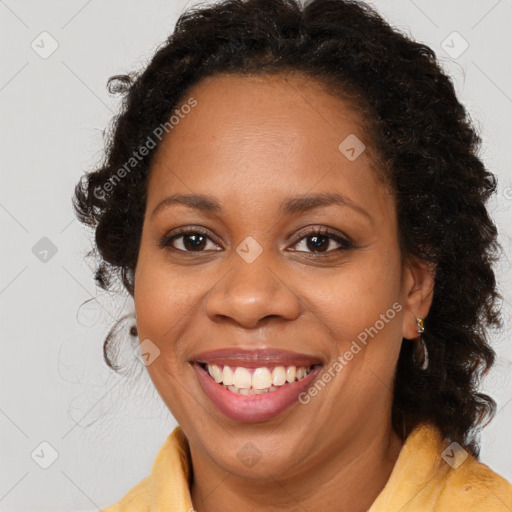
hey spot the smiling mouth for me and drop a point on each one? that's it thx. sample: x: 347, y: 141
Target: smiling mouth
x: 256, y: 381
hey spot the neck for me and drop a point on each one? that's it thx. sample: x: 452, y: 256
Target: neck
x: 347, y: 480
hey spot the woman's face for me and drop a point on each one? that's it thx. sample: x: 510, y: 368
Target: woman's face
x: 252, y: 278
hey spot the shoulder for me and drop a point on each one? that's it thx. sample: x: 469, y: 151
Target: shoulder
x: 436, y: 475
x: 167, y: 484
x: 136, y: 499
x: 461, y: 482
x: 474, y: 486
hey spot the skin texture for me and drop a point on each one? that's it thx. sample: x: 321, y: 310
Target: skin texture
x: 251, y: 143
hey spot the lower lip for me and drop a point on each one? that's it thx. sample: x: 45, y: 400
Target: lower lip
x: 252, y: 408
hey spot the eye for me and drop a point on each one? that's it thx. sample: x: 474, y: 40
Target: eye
x: 321, y: 240
x: 316, y: 241
x: 188, y: 240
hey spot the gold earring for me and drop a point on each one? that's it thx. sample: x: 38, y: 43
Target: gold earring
x: 419, y: 325
x: 420, y: 351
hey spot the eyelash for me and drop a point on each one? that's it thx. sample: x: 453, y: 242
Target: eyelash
x: 345, y: 244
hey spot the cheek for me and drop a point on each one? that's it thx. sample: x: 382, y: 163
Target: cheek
x: 354, y: 297
x: 164, y: 300
x: 362, y: 313
x: 164, y: 304
x: 361, y: 308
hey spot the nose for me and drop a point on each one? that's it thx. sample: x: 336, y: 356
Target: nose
x: 251, y: 292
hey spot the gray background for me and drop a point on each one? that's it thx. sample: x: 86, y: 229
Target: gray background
x: 106, y: 428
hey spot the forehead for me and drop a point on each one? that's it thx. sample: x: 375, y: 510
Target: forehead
x: 276, y: 108
x: 251, y: 136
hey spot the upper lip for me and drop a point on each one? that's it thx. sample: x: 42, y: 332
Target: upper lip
x: 256, y: 358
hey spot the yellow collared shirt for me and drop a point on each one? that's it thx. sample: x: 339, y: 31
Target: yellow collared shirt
x: 428, y: 476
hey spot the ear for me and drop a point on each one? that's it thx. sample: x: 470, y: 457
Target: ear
x: 417, y: 294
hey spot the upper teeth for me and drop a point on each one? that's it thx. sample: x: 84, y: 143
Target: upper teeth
x: 260, y: 378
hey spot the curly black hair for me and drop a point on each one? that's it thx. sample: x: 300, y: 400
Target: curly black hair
x: 425, y: 147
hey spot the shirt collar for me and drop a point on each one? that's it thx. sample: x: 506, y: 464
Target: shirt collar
x: 424, y: 475
x: 171, y: 476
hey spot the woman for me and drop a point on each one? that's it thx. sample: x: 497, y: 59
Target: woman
x: 292, y: 196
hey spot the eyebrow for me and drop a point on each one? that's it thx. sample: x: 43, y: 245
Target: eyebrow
x: 291, y: 205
